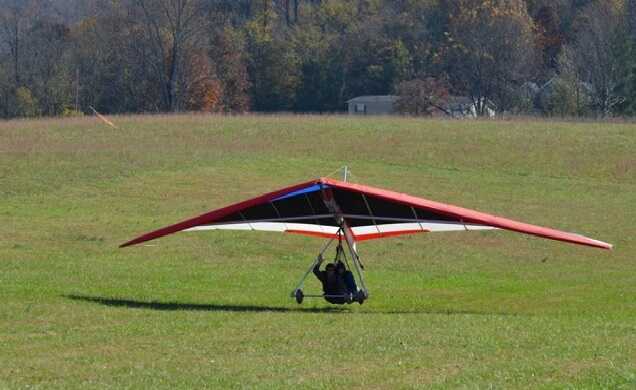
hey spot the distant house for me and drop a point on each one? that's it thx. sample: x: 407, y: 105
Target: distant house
x: 464, y: 107
x: 461, y: 107
x: 548, y: 92
x: 372, y: 105
x: 455, y: 106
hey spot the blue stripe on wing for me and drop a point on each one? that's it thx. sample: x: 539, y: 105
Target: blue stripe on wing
x: 314, y: 188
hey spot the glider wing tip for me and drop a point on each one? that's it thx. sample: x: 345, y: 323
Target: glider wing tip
x: 130, y: 243
x: 603, y: 245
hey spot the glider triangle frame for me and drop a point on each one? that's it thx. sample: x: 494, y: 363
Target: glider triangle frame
x: 361, y: 295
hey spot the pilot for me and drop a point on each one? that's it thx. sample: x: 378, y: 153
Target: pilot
x: 338, y: 284
x: 347, y: 277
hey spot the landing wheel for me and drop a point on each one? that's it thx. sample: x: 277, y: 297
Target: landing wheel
x: 362, y: 296
x: 299, y: 296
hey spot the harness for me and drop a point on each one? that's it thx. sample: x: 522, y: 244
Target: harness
x: 340, y: 258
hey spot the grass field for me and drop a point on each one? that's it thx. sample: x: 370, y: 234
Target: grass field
x: 447, y: 310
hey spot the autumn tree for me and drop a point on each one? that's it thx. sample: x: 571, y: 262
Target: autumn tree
x: 201, y: 88
x: 630, y: 14
x: 174, y: 29
x: 418, y: 25
x: 599, y: 49
x: 326, y: 45
x: 317, y: 89
x: 228, y: 49
x: 422, y: 96
x: 566, y: 94
x: 16, y: 18
x: 629, y: 88
x: 346, y: 52
x: 5, y: 86
x: 47, y: 73
x: 490, y: 50
x: 114, y: 61
x: 35, y: 69
x: 273, y: 65
x: 549, y: 37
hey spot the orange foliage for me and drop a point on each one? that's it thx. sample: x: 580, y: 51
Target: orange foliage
x: 203, y: 89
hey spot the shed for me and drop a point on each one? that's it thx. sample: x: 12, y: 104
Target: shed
x: 372, y: 105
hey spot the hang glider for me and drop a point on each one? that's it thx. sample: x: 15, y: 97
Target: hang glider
x: 322, y: 207
x: 346, y: 212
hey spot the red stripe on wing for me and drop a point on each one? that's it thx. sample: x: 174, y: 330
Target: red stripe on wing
x: 357, y: 237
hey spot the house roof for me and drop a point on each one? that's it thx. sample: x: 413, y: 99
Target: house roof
x: 460, y: 100
x: 374, y: 99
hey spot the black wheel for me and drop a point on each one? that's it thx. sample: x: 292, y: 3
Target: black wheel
x: 362, y: 296
x: 299, y: 296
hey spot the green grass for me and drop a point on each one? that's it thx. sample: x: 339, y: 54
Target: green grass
x: 447, y: 310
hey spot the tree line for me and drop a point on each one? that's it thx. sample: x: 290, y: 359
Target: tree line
x: 539, y: 57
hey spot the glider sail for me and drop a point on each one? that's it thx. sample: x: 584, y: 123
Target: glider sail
x: 321, y: 207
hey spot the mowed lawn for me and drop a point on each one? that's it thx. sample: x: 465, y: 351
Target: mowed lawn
x: 212, y: 309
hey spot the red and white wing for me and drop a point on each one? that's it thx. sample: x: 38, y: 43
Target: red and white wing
x: 318, y: 207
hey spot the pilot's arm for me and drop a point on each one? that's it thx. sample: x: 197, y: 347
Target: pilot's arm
x: 319, y: 274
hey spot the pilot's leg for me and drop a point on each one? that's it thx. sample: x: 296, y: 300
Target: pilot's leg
x: 350, y: 282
